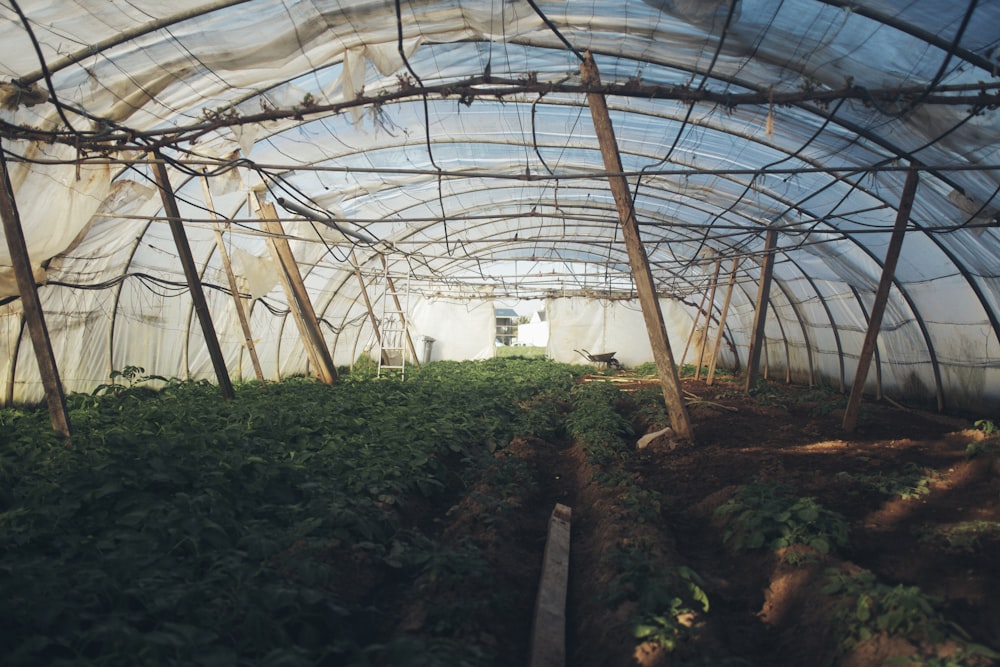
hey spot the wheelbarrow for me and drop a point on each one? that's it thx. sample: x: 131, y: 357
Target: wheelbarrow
x: 606, y: 358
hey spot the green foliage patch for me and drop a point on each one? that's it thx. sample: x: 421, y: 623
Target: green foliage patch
x: 766, y: 515
x: 990, y: 446
x: 909, y: 483
x: 962, y: 537
x: 867, y: 607
x: 183, y: 529
x: 670, y: 599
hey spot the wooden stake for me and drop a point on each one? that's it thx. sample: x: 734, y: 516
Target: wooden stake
x: 708, y: 319
x: 760, y: 314
x: 639, y: 262
x: 368, y: 302
x: 295, y: 291
x: 191, y: 273
x: 694, y: 326
x: 881, y: 298
x: 55, y: 398
x: 234, y: 288
x: 722, y: 323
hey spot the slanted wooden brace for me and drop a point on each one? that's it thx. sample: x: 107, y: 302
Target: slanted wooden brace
x: 645, y: 286
x: 295, y: 291
x: 760, y: 312
x: 55, y: 397
x: 881, y: 298
x: 191, y: 274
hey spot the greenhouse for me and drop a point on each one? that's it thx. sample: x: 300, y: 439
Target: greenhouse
x: 319, y: 317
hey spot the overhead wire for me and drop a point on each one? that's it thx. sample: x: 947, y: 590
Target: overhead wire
x: 53, y: 97
x: 427, y: 117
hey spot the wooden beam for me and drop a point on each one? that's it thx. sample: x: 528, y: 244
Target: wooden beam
x: 234, y: 289
x: 638, y: 260
x: 760, y: 313
x: 55, y: 397
x: 191, y: 274
x: 881, y: 298
x: 548, y: 636
x: 708, y: 319
x: 722, y: 322
x: 694, y: 326
x: 368, y: 302
x: 876, y: 356
x: 295, y: 290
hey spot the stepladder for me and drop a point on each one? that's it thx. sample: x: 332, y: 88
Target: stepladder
x: 394, y: 340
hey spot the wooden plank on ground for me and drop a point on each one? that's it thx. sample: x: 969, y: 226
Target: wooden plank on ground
x: 548, y: 638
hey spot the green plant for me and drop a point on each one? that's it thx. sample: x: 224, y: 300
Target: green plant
x: 986, y: 426
x: 965, y: 536
x: 766, y: 393
x: 907, y: 484
x: 669, y: 599
x: 988, y: 446
x: 765, y: 515
x: 867, y: 607
x: 646, y: 505
x: 132, y: 377
x: 647, y: 407
x: 647, y: 368
x: 185, y: 529
x: 824, y: 400
x: 542, y: 416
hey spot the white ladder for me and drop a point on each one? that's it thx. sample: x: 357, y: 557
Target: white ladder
x: 393, y: 348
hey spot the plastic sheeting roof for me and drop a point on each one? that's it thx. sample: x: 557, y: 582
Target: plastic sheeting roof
x: 456, y: 134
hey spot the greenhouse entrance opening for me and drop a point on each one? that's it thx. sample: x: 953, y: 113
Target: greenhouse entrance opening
x: 522, y: 328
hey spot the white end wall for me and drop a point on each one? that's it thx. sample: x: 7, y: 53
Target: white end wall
x: 610, y: 326
x: 461, y: 329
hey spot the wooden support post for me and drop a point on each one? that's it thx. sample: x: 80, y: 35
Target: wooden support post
x: 881, y: 298
x: 548, y: 637
x: 694, y: 326
x: 722, y: 323
x: 760, y: 314
x: 295, y: 290
x: 191, y: 274
x: 55, y: 397
x: 234, y: 288
x: 639, y: 262
x: 399, y: 309
x: 364, y: 293
x: 708, y: 318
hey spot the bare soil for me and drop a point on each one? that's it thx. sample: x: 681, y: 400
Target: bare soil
x: 766, y: 608
x: 765, y: 611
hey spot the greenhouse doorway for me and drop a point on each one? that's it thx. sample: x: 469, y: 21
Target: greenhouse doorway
x: 522, y: 329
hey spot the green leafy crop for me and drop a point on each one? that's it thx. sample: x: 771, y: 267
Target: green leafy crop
x: 183, y: 529
x: 670, y: 599
x: 868, y: 607
x: 764, y: 515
